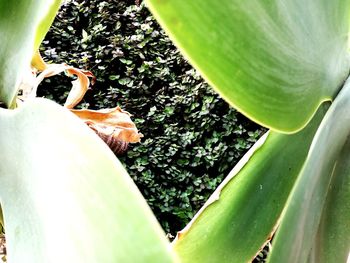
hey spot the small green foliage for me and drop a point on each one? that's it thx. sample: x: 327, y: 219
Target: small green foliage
x: 192, y: 139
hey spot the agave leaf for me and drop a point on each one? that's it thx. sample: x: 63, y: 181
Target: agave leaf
x: 45, y: 22
x: 243, y: 212
x: 19, y: 23
x: 273, y: 60
x: 320, y: 173
x: 38, y: 62
x: 65, y: 196
x: 332, y: 243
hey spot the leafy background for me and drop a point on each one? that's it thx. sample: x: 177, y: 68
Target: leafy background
x: 192, y: 138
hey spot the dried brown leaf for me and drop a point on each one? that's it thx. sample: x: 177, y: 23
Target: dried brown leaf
x: 114, y: 126
x: 111, y: 123
x: 80, y: 86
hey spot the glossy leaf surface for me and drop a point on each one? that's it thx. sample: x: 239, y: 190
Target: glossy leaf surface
x: 324, y: 168
x: 65, y: 196
x: 274, y: 60
x: 241, y: 214
x: 19, y: 33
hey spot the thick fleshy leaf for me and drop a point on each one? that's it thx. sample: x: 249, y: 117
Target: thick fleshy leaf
x: 38, y: 62
x: 19, y: 23
x: 46, y: 21
x: 65, y: 196
x: 332, y: 243
x: 274, y: 60
x: 241, y: 214
x: 300, y: 220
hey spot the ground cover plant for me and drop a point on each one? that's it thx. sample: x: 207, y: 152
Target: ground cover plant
x: 192, y: 138
x: 284, y: 64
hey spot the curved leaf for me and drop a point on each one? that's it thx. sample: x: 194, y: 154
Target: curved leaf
x: 274, y: 60
x: 38, y: 62
x: 20, y: 22
x: 65, y: 196
x: 332, y: 243
x: 45, y: 22
x: 305, y: 205
x: 79, y: 86
x: 241, y: 214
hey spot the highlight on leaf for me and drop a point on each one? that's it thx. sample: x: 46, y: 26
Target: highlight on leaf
x: 26, y: 87
x: 38, y: 62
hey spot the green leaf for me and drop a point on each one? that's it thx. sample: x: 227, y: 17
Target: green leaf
x: 65, y: 196
x: 275, y: 61
x: 241, y: 214
x: 22, y: 27
x: 332, y: 243
x: 46, y: 21
x: 308, y: 200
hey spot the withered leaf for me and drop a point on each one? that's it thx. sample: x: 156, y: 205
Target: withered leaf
x: 80, y: 86
x: 114, y: 123
x: 114, y: 126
